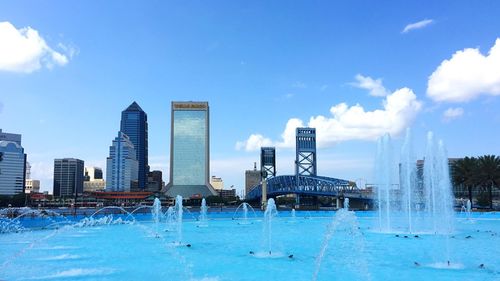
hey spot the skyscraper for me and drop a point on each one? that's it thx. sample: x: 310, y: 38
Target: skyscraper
x: 134, y: 124
x: 12, y: 168
x: 190, y: 150
x: 68, y: 177
x: 121, y: 165
x: 10, y: 137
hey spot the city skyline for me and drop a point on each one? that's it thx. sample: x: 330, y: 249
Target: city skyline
x: 351, y: 70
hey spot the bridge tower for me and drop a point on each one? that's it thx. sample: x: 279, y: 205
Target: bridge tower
x: 305, y: 154
x: 268, y: 169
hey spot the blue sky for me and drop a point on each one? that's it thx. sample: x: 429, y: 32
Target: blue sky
x: 353, y: 69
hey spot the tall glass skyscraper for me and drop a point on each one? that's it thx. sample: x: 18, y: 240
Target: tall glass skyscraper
x: 121, y: 165
x: 134, y: 124
x: 190, y: 151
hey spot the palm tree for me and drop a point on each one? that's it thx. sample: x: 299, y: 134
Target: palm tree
x: 464, y: 172
x: 489, y: 173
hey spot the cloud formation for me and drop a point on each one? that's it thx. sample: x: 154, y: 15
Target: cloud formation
x: 24, y: 50
x: 452, y: 113
x: 466, y: 76
x: 374, y: 86
x: 348, y: 123
x: 417, y: 25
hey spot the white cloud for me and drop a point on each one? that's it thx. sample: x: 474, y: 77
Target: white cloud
x: 348, y: 123
x: 254, y: 142
x: 452, y: 113
x: 417, y: 25
x: 24, y: 50
x: 467, y: 75
x: 374, y: 86
x: 323, y: 88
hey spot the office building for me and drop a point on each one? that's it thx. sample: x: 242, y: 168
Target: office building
x: 155, y: 181
x: 190, y: 150
x: 93, y: 173
x: 134, y: 124
x: 252, y: 178
x: 32, y: 186
x: 217, y: 183
x: 68, y: 177
x: 122, y: 165
x: 12, y: 168
x: 92, y: 180
x: 10, y: 137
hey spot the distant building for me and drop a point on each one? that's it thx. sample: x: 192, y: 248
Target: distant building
x: 10, y: 137
x: 12, y: 168
x: 93, y: 173
x: 227, y: 193
x: 217, y: 183
x: 134, y: 124
x: 252, y: 178
x: 190, y: 151
x: 32, y: 186
x: 68, y: 177
x: 155, y: 181
x: 94, y: 185
x: 122, y: 165
x: 92, y: 180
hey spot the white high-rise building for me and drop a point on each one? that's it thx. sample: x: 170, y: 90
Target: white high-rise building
x: 12, y: 168
x: 122, y: 165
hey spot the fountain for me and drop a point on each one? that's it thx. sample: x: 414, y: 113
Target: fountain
x: 349, y: 246
x: 178, y: 209
x: 203, y: 214
x: 293, y: 215
x: 156, y: 214
x: 468, y: 209
x: 244, y: 206
x: 267, y: 231
x: 406, y: 204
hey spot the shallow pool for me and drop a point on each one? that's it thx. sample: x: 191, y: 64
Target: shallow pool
x: 227, y: 249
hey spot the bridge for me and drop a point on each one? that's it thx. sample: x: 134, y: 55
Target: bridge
x: 305, y: 182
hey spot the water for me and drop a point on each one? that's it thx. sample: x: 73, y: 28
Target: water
x: 241, y: 213
x: 203, y: 214
x: 405, y: 203
x: 267, y: 228
x: 355, y: 251
x: 156, y: 215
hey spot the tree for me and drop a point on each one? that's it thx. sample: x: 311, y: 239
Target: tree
x: 489, y: 173
x: 464, y: 172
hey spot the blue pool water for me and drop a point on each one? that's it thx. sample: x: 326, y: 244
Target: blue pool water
x: 220, y: 250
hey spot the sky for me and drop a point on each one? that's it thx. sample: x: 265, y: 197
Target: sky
x: 354, y: 70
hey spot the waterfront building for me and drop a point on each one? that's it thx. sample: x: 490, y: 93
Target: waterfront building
x: 32, y: 186
x: 134, y: 123
x: 217, y: 183
x: 190, y: 150
x: 68, y: 177
x: 121, y: 165
x: 12, y: 168
x: 10, y: 137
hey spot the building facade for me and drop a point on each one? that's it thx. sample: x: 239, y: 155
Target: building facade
x: 32, y: 186
x: 190, y: 150
x: 68, y: 177
x: 134, y: 124
x: 252, y: 178
x: 155, y: 181
x: 121, y: 165
x: 12, y: 168
x: 10, y: 137
x: 217, y: 183
x: 92, y: 180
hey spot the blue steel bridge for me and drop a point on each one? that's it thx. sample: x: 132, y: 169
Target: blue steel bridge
x: 305, y: 182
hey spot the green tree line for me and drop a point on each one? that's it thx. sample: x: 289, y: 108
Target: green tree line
x: 480, y: 174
